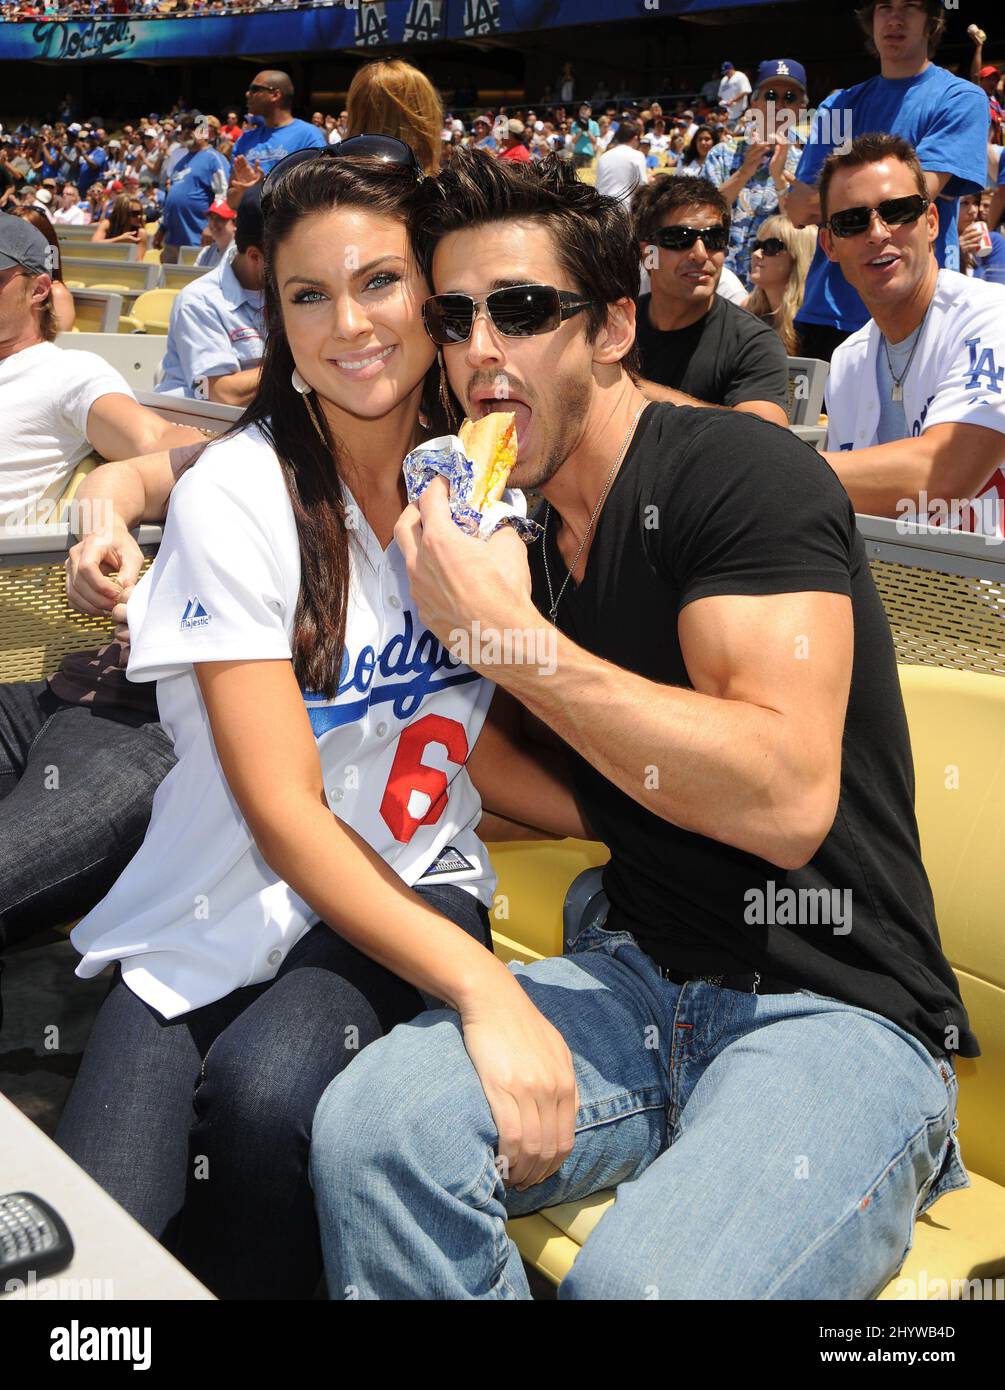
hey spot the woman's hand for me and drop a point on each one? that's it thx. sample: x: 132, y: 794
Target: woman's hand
x: 527, y: 1074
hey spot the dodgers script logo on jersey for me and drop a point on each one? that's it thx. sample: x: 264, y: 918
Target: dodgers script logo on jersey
x: 410, y: 667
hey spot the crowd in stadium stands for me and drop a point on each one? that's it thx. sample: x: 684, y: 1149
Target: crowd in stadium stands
x: 147, y: 9
x: 722, y: 238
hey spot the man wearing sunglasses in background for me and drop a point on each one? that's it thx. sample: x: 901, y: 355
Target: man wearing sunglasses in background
x: 771, y: 1089
x: 276, y: 135
x: 691, y: 339
x: 916, y: 398
x: 754, y: 168
x: 942, y: 116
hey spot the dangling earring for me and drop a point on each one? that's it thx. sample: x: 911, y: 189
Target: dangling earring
x: 448, y: 410
x: 299, y: 384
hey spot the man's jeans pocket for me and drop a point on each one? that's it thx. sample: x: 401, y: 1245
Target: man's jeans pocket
x: 951, y: 1175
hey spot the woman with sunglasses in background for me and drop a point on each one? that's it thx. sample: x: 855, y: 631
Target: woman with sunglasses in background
x: 782, y: 255
x: 328, y: 749
x: 124, y: 222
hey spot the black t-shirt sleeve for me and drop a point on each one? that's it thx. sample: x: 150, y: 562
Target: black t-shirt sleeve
x: 759, y: 370
x: 747, y: 508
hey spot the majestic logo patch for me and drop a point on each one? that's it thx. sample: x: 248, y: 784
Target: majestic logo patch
x: 450, y: 861
x: 194, y: 616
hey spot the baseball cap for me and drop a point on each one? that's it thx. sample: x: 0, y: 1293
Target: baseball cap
x: 22, y: 245
x: 221, y: 208
x: 75, y: 127
x: 43, y: 196
x: 482, y: 120
x: 785, y: 68
x: 149, y: 134
x: 727, y: 67
x: 989, y: 71
x: 515, y: 127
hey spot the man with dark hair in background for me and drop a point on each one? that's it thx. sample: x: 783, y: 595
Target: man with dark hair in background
x: 942, y: 116
x: 691, y: 339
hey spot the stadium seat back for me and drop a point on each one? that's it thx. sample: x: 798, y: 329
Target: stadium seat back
x: 152, y: 309
x: 97, y: 311
x: 176, y: 277
x: 128, y: 278
x: 807, y: 381
x: 101, y: 250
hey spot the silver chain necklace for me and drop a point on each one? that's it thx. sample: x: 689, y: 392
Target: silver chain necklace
x: 553, y: 611
x: 897, y: 393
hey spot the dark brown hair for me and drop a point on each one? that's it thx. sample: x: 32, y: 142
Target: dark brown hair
x: 652, y: 201
x: 119, y: 217
x: 870, y: 149
x: 591, y: 234
x: 311, y: 468
x: 936, y: 25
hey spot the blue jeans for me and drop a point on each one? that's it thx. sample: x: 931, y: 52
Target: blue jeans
x: 200, y: 1125
x: 764, y: 1146
x: 77, y: 787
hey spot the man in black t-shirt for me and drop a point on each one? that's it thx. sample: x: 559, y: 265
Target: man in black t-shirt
x: 689, y: 337
x: 758, y: 1042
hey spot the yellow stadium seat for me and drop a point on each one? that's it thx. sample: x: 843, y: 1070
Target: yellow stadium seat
x: 152, y: 257
x: 152, y: 310
x: 957, y: 722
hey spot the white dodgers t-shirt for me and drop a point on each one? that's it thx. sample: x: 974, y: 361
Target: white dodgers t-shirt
x: 46, y: 394
x: 198, y: 913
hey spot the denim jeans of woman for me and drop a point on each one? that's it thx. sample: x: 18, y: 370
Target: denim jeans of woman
x: 200, y: 1126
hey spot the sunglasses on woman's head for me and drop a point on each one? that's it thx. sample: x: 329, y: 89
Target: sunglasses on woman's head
x: 893, y: 212
x: 518, y: 311
x: 384, y: 148
x: 770, y: 246
x: 683, y: 238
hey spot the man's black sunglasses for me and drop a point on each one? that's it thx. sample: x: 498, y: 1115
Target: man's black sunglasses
x: 683, y: 238
x: 518, y: 311
x: 258, y: 87
x: 384, y: 148
x: 893, y: 212
x: 770, y: 246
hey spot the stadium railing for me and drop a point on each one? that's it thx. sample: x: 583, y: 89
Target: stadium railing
x: 136, y: 355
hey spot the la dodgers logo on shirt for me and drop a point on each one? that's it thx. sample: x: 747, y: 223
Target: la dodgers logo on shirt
x: 411, y: 668
x: 194, y: 616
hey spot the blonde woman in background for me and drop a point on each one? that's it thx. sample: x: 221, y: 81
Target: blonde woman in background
x: 393, y: 98
x: 780, y: 259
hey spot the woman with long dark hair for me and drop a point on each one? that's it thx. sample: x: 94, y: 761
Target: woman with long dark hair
x: 313, y: 872
x: 697, y: 151
x: 124, y: 222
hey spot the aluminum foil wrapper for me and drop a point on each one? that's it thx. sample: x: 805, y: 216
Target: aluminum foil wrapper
x: 445, y: 458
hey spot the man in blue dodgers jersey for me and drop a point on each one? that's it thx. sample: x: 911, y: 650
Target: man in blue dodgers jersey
x: 197, y: 180
x: 942, y: 116
x: 916, y: 398
x: 276, y: 132
x: 708, y: 591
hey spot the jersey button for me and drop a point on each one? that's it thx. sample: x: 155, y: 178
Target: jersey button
x: 381, y: 730
x: 394, y: 601
x: 336, y: 793
x: 274, y: 957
